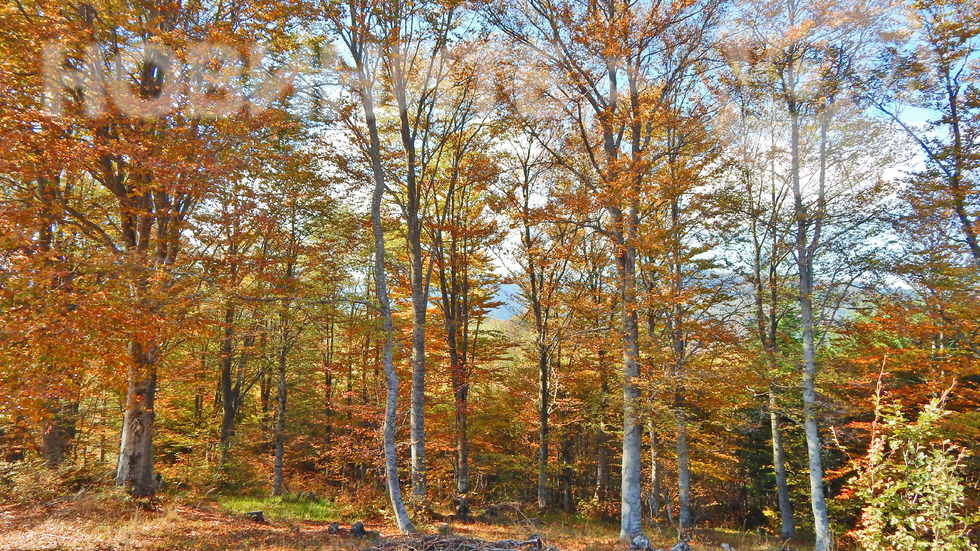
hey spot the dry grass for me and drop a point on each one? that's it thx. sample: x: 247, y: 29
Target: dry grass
x: 109, y: 521
x: 570, y: 533
x: 98, y: 524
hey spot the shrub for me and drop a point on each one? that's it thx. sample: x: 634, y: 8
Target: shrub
x: 32, y: 481
x: 911, y: 489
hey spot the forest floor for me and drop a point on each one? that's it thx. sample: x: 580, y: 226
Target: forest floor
x: 104, y: 523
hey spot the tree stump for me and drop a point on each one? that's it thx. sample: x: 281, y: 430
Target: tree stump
x: 357, y: 530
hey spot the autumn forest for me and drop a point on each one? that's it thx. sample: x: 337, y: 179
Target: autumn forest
x: 653, y: 264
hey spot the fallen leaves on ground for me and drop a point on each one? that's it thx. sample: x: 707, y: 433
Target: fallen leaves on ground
x: 93, y: 525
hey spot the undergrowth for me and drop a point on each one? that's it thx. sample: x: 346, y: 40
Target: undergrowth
x: 283, y: 507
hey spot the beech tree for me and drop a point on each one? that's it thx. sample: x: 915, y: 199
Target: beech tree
x: 930, y: 66
x: 708, y: 228
x: 528, y: 194
x: 462, y: 239
x: 154, y: 171
x: 606, y: 144
x: 356, y: 25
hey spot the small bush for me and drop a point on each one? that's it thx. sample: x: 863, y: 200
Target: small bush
x: 911, y: 489
x: 32, y: 481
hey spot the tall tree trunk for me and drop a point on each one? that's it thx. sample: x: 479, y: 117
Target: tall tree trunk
x: 51, y: 442
x: 420, y: 302
x: 134, y: 468
x: 631, y: 507
x: 280, y: 427
x: 654, y: 477
x: 767, y: 329
x: 461, y: 403
x: 359, y: 36
x: 779, y: 468
x: 804, y: 250
x: 413, y: 235
x: 602, y: 442
x: 567, y: 504
x: 626, y: 224
x: 683, y: 467
x: 462, y: 454
x: 229, y: 400
x: 543, y: 405
x: 328, y: 407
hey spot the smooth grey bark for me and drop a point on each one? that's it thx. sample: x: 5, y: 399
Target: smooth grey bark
x: 805, y: 248
x: 543, y: 371
x: 280, y: 423
x: 631, y: 506
x: 357, y: 37
x: 412, y: 210
x: 626, y: 223
x: 787, y: 527
x: 767, y: 331
x: 626, y: 124
x: 417, y: 406
x: 602, y: 439
x: 381, y: 289
x: 683, y: 469
x: 654, y: 477
x: 134, y: 468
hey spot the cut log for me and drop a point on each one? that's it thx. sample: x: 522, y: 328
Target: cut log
x: 640, y: 543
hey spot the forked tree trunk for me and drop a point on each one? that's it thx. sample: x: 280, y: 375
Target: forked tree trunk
x: 398, y: 80
x: 359, y: 36
x: 804, y: 252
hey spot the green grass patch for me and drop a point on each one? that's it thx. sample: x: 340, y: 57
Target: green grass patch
x: 283, y: 507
